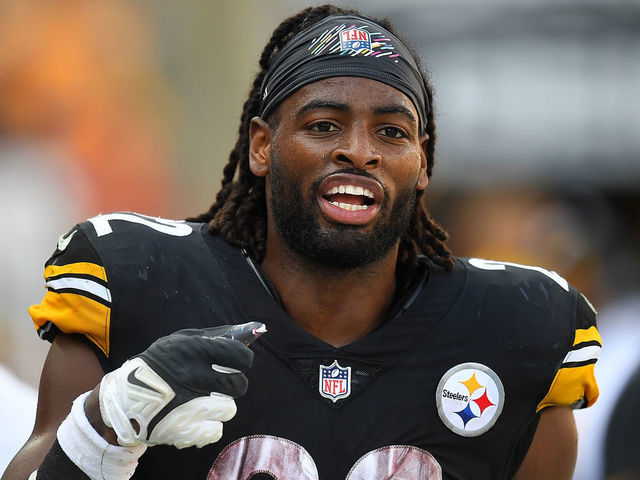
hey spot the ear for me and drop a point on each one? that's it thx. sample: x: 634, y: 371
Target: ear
x: 260, y: 135
x: 423, y: 179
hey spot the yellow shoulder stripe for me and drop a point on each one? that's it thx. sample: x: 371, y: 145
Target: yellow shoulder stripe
x: 573, y: 384
x: 81, y: 268
x: 587, y: 335
x: 73, y: 313
x: 570, y: 386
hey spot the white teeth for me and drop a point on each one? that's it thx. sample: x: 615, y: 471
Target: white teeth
x: 350, y: 207
x: 350, y: 190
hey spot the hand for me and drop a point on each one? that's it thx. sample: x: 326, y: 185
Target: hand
x: 180, y: 390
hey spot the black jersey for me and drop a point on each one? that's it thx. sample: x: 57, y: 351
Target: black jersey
x: 449, y: 386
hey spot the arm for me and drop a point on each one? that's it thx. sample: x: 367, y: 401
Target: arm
x: 71, y: 368
x: 130, y: 398
x: 552, y: 453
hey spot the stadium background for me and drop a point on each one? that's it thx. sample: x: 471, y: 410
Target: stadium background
x: 134, y: 105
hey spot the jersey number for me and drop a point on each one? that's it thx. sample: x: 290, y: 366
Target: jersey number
x: 177, y: 228
x: 283, y: 459
x: 493, y: 265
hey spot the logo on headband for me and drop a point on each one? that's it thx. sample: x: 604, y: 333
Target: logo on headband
x: 355, y: 39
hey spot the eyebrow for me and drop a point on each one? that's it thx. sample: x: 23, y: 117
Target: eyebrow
x: 324, y: 104
x: 394, y: 110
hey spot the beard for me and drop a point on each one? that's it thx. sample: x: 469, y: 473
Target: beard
x: 336, y: 246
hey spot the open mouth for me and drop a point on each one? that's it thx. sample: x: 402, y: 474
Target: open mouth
x: 350, y: 197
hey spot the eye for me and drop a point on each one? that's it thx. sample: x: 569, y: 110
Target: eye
x: 322, y: 127
x: 393, y: 132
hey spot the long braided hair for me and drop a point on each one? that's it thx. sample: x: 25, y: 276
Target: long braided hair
x: 239, y: 213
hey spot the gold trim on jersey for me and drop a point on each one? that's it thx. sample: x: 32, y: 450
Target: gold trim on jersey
x: 75, y: 303
x: 586, y: 335
x: 575, y: 383
x: 81, y: 268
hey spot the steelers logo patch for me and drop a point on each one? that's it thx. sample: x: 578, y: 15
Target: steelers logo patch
x: 470, y: 397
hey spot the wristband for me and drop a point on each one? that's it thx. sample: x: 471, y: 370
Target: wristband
x: 80, y: 444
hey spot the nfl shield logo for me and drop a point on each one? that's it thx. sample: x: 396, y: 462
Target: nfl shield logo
x: 335, y: 381
x: 354, y: 38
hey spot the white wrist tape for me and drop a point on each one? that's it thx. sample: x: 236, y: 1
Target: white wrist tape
x: 90, y: 452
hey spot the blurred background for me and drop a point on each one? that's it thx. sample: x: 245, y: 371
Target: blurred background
x: 134, y: 105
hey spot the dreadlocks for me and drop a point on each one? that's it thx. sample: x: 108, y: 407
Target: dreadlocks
x: 239, y: 213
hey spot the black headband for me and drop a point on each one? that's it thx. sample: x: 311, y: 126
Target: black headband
x: 343, y: 46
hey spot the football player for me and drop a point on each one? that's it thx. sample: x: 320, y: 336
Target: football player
x: 384, y: 356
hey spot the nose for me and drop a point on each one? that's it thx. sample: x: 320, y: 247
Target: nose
x: 356, y: 149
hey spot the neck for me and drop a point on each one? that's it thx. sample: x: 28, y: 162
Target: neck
x: 339, y: 306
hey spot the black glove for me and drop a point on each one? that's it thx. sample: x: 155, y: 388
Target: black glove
x: 181, y: 389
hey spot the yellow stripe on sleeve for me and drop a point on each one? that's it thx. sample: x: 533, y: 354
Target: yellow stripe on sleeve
x: 574, y: 383
x: 587, y: 335
x: 73, y: 313
x: 570, y: 386
x: 82, y: 268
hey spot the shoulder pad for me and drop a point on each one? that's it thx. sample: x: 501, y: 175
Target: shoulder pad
x: 120, y: 223
x: 571, y: 320
x: 517, y: 272
x: 78, y: 299
x: 575, y: 384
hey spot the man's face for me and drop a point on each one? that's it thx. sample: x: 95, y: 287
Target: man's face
x: 345, y: 162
